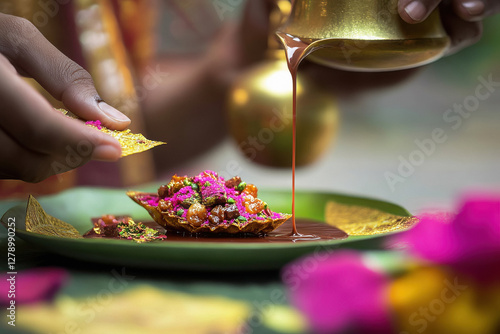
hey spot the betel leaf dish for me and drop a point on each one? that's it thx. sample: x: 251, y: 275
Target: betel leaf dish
x: 207, y: 203
x: 77, y: 206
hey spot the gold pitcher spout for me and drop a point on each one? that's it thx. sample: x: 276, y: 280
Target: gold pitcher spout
x: 365, y: 35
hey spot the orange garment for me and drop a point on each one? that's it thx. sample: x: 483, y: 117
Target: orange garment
x: 127, y: 27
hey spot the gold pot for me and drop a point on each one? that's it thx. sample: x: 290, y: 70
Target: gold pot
x: 260, y: 115
x: 365, y: 35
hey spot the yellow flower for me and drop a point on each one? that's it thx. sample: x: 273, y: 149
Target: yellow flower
x: 433, y: 300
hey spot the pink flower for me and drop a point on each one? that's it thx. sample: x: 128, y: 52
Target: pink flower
x: 31, y: 285
x: 338, y: 293
x: 470, y: 242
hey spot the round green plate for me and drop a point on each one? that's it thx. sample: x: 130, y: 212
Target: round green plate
x: 77, y: 206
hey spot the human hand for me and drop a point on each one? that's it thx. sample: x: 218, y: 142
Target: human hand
x: 38, y: 141
x: 461, y: 18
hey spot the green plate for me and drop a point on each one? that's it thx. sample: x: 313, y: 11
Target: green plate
x: 77, y: 206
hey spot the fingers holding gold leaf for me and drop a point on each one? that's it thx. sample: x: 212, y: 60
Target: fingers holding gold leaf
x: 130, y: 143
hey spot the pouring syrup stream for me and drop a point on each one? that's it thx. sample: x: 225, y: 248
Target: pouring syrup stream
x: 295, y: 50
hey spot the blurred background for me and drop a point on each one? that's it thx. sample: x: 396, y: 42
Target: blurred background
x: 187, y: 60
x: 378, y: 127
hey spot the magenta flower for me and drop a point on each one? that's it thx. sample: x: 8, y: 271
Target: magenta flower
x: 31, y: 285
x: 469, y: 243
x: 338, y: 293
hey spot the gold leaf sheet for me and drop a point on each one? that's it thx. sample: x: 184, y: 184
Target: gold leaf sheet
x: 38, y: 221
x: 131, y: 143
x: 360, y: 220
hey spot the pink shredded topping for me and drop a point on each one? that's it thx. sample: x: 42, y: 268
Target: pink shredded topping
x: 210, y: 183
x: 182, y: 195
x: 152, y: 200
x: 97, y: 124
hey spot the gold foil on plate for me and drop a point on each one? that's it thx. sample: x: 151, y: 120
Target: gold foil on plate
x: 38, y: 221
x: 360, y: 220
x: 130, y: 143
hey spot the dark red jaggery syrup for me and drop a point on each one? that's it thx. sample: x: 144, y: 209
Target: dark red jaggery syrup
x: 295, y: 50
x: 321, y: 231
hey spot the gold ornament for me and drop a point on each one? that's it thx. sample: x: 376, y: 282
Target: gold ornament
x: 260, y: 109
x: 260, y: 115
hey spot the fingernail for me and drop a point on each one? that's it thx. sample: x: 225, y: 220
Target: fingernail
x: 416, y: 10
x: 112, y: 112
x: 106, y: 153
x: 474, y: 8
